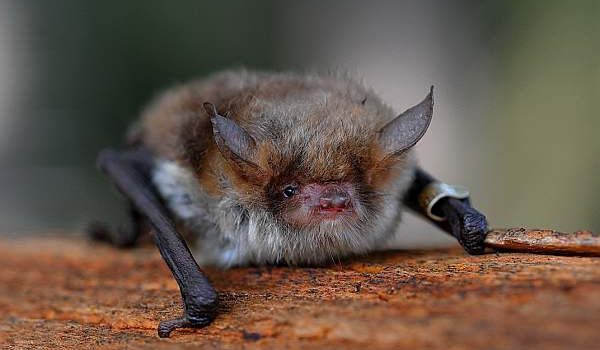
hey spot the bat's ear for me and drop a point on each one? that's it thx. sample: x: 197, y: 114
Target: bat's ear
x: 405, y: 130
x: 234, y: 143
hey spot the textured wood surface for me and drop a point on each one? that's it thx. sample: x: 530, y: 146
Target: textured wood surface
x: 59, y: 293
x: 544, y: 241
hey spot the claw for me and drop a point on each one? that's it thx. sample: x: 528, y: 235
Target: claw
x: 166, y: 327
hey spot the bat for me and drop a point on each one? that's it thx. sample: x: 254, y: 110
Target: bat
x: 275, y: 168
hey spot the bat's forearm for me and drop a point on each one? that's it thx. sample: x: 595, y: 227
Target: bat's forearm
x: 453, y: 215
x: 129, y: 171
x: 420, y: 181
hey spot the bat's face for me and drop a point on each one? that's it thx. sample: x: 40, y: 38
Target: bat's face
x: 339, y: 201
x: 313, y: 203
x: 326, y: 176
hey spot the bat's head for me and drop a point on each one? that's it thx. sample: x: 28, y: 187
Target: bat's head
x: 331, y: 173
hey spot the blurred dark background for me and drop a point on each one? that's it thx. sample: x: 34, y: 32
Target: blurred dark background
x: 517, y: 85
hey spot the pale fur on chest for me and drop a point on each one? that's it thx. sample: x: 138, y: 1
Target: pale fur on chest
x: 229, y: 235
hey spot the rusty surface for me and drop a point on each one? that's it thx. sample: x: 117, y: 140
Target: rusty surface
x: 64, y: 294
x: 544, y: 241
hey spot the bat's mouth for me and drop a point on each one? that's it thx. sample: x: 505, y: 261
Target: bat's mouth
x: 332, y: 213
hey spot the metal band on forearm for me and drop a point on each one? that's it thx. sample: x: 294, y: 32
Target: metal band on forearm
x: 433, y: 192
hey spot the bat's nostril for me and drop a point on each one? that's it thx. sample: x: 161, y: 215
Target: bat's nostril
x: 338, y: 200
x: 328, y: 197
x: 326, y: 202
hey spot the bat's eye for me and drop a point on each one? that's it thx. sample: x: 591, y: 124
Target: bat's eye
x: 290, y: 190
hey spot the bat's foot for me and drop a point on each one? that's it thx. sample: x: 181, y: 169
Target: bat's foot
x: 467, y: 224
x: 200, y: 301
x: 166, y: 327
x: 449, y: 208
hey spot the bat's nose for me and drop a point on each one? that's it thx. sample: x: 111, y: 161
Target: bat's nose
x: 334, y: 199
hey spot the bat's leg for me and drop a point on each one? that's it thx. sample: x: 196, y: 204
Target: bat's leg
x: 123, y: 237
x: 130, y: 172
x: 462, y: 221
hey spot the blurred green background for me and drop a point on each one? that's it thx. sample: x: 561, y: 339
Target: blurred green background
x: 517, y: 85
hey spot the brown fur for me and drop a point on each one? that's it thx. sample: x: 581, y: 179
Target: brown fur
x: 177, y: 127
x: 308, y: 129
